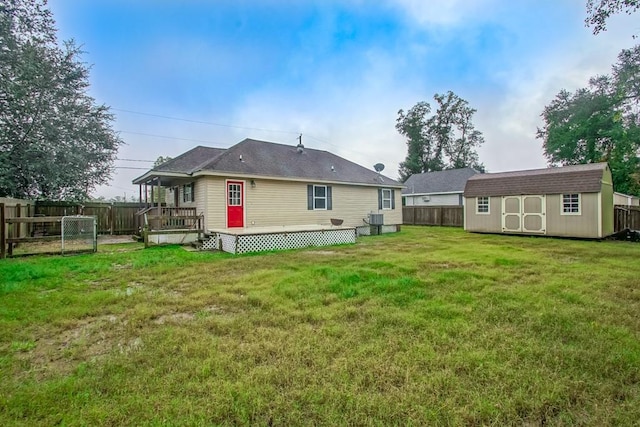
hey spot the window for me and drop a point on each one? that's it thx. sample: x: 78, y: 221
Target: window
x: 235, y: 196
x: 187, y: 193
x: 319, y: 197
x: 482, y: 205
x: 386, y: 198
x: 571, y: 204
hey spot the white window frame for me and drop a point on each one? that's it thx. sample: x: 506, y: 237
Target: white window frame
x: 570, y: 204
x: 386, y: 199
x: 318, y: 198
x: 192, y: 196
x: 487, y: 204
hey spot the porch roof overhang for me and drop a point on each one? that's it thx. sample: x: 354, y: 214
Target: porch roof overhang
x: 153, y: 176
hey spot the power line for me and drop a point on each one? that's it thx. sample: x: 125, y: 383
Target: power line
x: 202, y: 122
x: 136, y: 160
x: 169, y: 137
x: 129, y: 167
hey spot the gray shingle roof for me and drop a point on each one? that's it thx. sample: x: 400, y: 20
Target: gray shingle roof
x: 446, y: 181
x: 561, y: 180
x: 261, y: 158
x: 191, y: 160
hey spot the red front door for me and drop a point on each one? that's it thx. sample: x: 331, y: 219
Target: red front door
x: 235, y: 204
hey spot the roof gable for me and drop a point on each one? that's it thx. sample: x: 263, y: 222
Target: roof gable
x: 446, y: 181
x: 567, y: 179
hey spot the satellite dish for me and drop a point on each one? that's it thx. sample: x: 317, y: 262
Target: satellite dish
x: 379, y: 167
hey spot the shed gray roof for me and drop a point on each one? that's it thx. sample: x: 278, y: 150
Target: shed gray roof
x: 260, y: 158
x: 446, y: 181
x: 561, y: 180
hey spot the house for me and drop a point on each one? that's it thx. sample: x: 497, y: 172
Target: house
x: 620, y: 199
x: 569, y: 201
x: 256, y: 185
x: 441, y: 188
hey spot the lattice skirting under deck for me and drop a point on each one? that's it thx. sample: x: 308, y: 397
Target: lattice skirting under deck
x: 244, y: 243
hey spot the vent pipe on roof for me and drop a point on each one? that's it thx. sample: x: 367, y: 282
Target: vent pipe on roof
x: 300, y: 146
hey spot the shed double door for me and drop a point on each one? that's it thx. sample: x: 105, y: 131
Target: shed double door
x: 524, y: 214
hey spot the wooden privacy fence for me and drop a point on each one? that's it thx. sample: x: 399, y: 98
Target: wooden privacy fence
x: 626, y: 217
x: 112, y: 218
x: 448, y: 216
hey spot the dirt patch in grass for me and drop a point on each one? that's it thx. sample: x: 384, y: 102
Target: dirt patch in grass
x: 60, y: 351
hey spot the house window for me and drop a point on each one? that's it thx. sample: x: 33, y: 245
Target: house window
x: 482, y: 205
x: 187, y: 193
x: 319, y: 197
x: 386, y: 198
x: 571, y: 204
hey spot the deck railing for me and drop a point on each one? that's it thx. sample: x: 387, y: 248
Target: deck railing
x: 168, y: 218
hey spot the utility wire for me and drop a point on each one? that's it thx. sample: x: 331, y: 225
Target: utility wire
x: 135, y: 160
x: 202, y: 122
x: 169, y: 137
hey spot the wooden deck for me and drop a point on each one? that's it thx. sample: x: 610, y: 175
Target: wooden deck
x: 260, y: 239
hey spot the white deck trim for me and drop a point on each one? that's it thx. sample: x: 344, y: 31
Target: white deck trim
x: 246, y: 231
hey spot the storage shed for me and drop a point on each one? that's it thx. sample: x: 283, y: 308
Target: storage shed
x: 569, y: 201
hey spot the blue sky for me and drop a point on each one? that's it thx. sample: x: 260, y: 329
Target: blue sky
x: 335, y: 71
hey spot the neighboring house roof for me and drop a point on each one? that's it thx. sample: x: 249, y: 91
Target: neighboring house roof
x: 260, y: 158
x: 567, y: 179
x: 446, y: 181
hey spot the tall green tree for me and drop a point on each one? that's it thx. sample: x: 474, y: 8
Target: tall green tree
x: 55, y: 141
x: 599, y: 123
x: 598, y: 11
x: 445, y: 140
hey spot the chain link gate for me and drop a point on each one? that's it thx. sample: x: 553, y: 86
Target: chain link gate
x: 79, y: 234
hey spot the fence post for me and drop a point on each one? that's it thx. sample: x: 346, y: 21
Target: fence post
x: 18, y: 226
x: 111, y: 218
x: 3, y: 235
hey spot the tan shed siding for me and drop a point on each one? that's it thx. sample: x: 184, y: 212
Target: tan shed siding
x: 607, y: 204
x: 484, y: 223
x: 583, y: 225
x: 273, y: 203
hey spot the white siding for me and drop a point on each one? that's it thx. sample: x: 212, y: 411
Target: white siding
x: 434, y: 200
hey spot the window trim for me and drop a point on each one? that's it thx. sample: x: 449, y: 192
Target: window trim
x: 317, y: 198
x: 563, y: 205
x: 388, y: 199
x: 192, y: 196
x: 488, y: 204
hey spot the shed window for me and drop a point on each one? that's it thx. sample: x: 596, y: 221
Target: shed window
x: 482, y: 205
x: 319, y: 197
x: 571, y: 204
x: 187, y: 193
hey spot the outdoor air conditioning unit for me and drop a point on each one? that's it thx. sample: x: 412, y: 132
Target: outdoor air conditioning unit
x: 376, y: 219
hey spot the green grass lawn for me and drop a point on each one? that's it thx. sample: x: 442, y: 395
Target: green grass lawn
x: 430, y: 326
